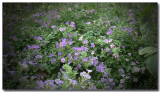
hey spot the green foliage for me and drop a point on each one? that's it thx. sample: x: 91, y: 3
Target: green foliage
x: 152, y: 64
x: 148, y: 51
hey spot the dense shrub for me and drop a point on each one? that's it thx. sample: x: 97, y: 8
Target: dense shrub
x: 79, y: 46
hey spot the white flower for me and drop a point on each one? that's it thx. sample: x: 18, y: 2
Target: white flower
x: 81, y: 38
x: 89, y: 70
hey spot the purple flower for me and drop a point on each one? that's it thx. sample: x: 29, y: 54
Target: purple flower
x: 101, y: 67
x: 62, y: 60
x: 140, y: 48
x: 87, y: 76
x: 102, y: 79
x: 39, y: 56
x: 130, y: 29
x: 88, y: 23
x: 110, y: 80
x: 72, y: 24
x: 135, y: 79
x: 76, y: 58
x: 50, y: 55
x: 107, y: 49
x: 74, y: 82
x: 69, y: 9
x: 101, y: 18
x: 39, y: 38
x: 82, y: 73
x: 106, y: 40
x: 84, y: 59
x: 92, y: 87
x: 63, y: 44
x: 34, y: 64
x: 76, y: 54
x: 112, y: 45
x: 59, y: 82
x: 92, y: 45
x: 85, y: 41
x: 59, y: 53
x: 121, y: 81
x: 116, y: 55
x: 67, y: 23
x: 84, y: 48
x: 53, y: 26
x: 95, y: 62
x: 94, y: 21
x: 122, y: 39
x: 79, y: 66
x: 105, y: 74
x: 137, y: 69
x: 53, y: 61
x: 33, y: 46
x: 110, y: 40
x: 75, y: 34
x: 122, y: 46
x: 62, y: 29
x: 79, y: 15
x: 110, y: 31
x: 65, y: 76
x: 69, y: 35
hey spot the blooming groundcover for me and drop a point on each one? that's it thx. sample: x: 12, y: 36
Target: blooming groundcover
x: 80, y: 46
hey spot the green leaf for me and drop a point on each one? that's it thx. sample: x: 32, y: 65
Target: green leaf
x: 151, y: 64
x: 148, y: 51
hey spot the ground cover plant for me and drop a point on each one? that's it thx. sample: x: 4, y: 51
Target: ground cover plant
x: 80, y: 46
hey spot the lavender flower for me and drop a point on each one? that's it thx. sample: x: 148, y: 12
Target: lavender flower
x: 85, y: 75
x: 79, y: 66
x: 94, y: 21
x: 84, y: 59
x: 67, y: 23
x: 105, y: 74
x: 85, y: 41
x: 62, y: 60
x: 92, y: 45
x: 59, y: 53
x: 62, y: 29
x: 70, y: 42
x: 107, y: 49
x: 69, y: 35
x: 101, y: 67
x: 59, y: 82
x: 65, y: 76
x: 133, y: 63
x: 53, y: 61
x: 135, y: 80
x: 39, y: 56
x: 76, y: 54
x: 88, y: 23
x: 50, y: 55
x: 53, y: 26
x: 34, y: 64
x: 106, y: 40
x: 121, y: 81
x: 39, y: 38
x: 112, y: 45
